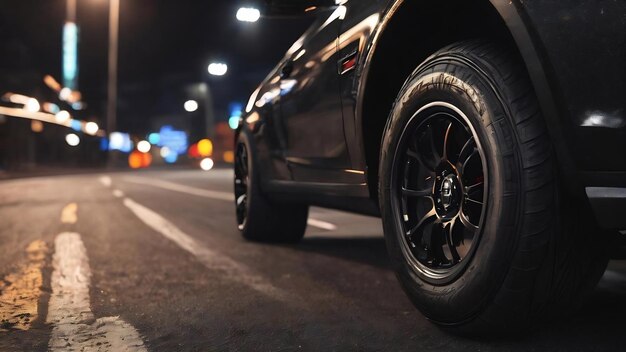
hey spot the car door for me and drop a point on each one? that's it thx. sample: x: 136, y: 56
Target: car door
x: 310, y: 103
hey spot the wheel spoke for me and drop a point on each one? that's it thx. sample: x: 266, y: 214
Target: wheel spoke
x: 466, y: 223
x: 464, y: 165
x: 467, y: 148
x: 417, y: 193
x: 448, y: 234
x: 446, y: 141
x: 467, y: 198
x: 474, y: 187
x: 430, y: 215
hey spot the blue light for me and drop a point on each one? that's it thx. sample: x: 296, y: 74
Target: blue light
x: 70, y: 51
x: 233, y: 122
x: 235, y: 109
x: 154, y: 138
x: 104, y: 144
x: 120, y: 141
x: 171, y: 158
x: 76, y: 125
x: 176, y: 141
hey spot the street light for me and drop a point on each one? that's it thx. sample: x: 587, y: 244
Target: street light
x: 191, y: 105
x: 248, y: 14
x: 218, y: 68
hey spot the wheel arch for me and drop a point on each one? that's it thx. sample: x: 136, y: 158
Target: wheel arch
x: 502, y: 20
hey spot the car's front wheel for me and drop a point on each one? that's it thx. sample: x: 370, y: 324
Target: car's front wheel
x: 469, y: 196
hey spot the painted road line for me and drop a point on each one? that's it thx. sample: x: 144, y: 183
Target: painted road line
x: 68, y: 215
x: 213, y: 260
x: 105, y: 180
x: 21, y: 290
x: 213, y: 195
x: 226, y: 196
x: 69, y: 309
x: 118, y: 194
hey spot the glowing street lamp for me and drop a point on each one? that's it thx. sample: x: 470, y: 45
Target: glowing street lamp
x: 248, y: 14
x: 191, y: 105
x: 218, y: 68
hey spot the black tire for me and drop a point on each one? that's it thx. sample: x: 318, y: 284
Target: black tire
x: 258, y: 218
x: 528, y: 255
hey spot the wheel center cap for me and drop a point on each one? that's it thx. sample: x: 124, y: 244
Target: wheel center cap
x: 448, y: 191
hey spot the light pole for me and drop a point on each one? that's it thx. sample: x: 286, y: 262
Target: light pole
x: 114, y: 18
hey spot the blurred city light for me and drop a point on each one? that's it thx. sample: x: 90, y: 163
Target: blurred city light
x: 52, y: 83
x: 51, y: 108
x: 205, y: 147
x: 165, y: 151
x: 191, y: 105
x: 218, y: 68
x: 175, y: 140
x: 120, y: 141
x: 233, y: 122
x: 32, y: 105
x: 138, y: 160
x: 72, y: 139
x: 91, y: 128
x: 248, y: 14
x: 193, y: 151
x: 144, y: 146
x: 229, y: 156
x: 62, y: 116
x: 76, y: 125
x: 65, y: 94
x: 36, y: 126
x: 154, y: 138
x: 169, y: 155
x: 70, y: 54
x: 235, y: 115
x: 206, y: 164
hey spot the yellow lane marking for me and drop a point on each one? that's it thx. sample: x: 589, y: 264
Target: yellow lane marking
x: 68, y: 215
x: 20, y: 291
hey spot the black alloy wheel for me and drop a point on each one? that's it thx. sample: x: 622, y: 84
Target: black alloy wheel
x: 440, y: 191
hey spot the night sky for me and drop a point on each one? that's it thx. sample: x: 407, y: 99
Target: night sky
x: 164, y: 45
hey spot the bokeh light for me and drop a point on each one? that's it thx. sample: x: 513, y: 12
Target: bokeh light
x: 72, y: 139
x: 205, y: 147
x: 206, y: 164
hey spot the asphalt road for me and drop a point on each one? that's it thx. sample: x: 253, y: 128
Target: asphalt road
x: 153, y: 261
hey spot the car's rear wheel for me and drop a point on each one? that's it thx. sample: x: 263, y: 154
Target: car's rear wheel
x: 470, y: 197
x: 258, y: 218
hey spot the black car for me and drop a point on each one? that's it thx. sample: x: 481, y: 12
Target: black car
x: 489, y: 136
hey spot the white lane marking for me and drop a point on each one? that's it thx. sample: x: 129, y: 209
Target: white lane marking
x: 68, y: 215
x: 74, y: 328
x: 106, y: 181
x: 321, y: 224
x: 213, y: 260
x: 230, y: 197
x: 118, y: 194
x: 227, y: 196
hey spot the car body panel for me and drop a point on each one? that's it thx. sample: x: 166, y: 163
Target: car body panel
x: 574, y: 52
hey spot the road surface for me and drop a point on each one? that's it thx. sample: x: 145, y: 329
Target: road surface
x: 153, y: 261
